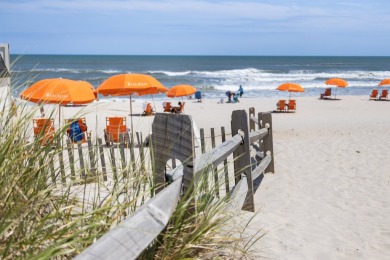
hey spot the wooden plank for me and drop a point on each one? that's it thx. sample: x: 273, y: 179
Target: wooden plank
x: 257, y: 135
x: 91, y: 153
x: 225, y: 164
x: 242, y: 159
x: 266, y: 119
x: 202, y: 141
x: 61, y: 160
x: 122, y: 153
x: 215, y: 169
x: 261, y: 167
x: 113, y: 164
x: 131, y: 147
x: 102, y: 160
x: 81, y: 160
x: 134, y: 234
x: 141, y: 150
x: 71, y: 159
x: 52, y: 170
x: 238, y: 195
x: 218, y: 154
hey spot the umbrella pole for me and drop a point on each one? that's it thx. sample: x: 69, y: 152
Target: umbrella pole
x: 335, y: 94
x: 131, y: 116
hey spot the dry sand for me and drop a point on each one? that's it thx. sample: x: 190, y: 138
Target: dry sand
x: 330, y: 195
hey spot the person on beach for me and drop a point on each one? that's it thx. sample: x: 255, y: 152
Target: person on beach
x: 241, y: 90
x: 176, y: 109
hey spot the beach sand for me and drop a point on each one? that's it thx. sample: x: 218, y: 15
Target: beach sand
x: 329, y: 197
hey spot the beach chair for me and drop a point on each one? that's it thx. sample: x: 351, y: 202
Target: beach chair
x: 383, y: 94
x: 374, y: 94
x: 198, y: 96
x: 179, y: 109
x: 43, y: 130
x: 148, y: 110
x: 167, y: 106
x: 115, y: 126
x: 291, y: 106
x: 77, y: 131
x: 327, y: 93
x: 281, y: 105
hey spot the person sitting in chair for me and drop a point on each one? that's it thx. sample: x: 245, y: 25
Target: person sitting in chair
x: 176, y: 109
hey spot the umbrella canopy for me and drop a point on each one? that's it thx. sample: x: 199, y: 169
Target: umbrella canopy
x: 181, y: 91
x: 291, y: 87
x: 384, y: 82
x: 341, y: 83
x: 129, y: 84
x: 59, y: 91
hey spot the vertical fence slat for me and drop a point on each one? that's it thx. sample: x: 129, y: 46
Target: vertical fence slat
x: 141, y: 150
x: 91, y: 153
x: 113, y: 164
x: 61, y: 161
x: 215, y: 170
x: 225, y: 164
x: 122, y: 152
x: 81, y: 160
x: 103, y: 161
x: 202, y: 142
x: 71, y: 159
x: 52, y: 170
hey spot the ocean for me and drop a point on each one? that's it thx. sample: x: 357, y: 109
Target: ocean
x: 213, y: 75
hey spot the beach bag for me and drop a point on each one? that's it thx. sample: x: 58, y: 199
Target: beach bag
x: 75, y: 133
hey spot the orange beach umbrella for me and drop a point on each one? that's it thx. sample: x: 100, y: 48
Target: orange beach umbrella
x: 129, y: 84
x: 181, y: 91
x: 384, y: 82
x: 59, y: 91
x: 290, y: 87
x: 340, y: 83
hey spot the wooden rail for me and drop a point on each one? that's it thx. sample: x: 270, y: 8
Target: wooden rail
x: 133, y: 235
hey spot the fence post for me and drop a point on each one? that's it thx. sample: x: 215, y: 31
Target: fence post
x: 242, y: 159
x: 266, y: 119
x: 172, y: 137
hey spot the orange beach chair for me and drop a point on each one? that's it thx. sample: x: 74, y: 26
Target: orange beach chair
x: 167, y: 106
x: 374, y: 94
x: 281, y: 105
x: 383, y: 94
x: 327, y: 93
x: 43, y: 130
x: 115, y: 126
x: 148, y: 111
x: 291, y: 106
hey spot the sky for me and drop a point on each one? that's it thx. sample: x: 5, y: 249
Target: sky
x: 208, y: 27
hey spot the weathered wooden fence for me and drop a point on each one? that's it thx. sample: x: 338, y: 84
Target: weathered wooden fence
x: 173, y: 138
